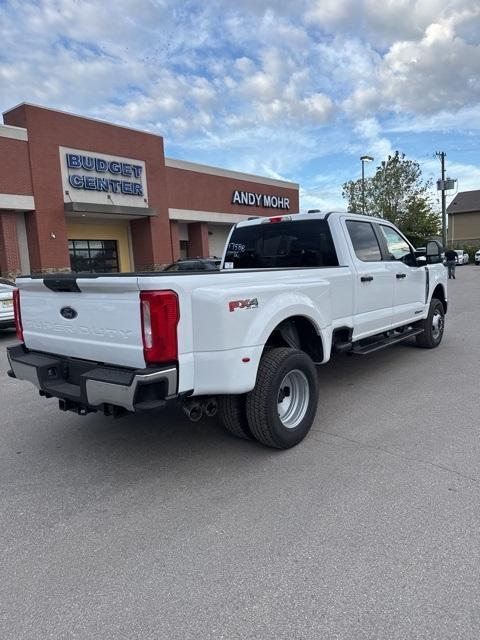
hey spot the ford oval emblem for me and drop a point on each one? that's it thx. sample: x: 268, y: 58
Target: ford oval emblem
x: 68, y: 313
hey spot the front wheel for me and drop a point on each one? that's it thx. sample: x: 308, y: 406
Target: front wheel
x: 282, y: 406
x: 433, y: 326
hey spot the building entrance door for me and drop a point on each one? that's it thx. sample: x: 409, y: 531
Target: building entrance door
x: 94, y: 256
x: 99, y: 248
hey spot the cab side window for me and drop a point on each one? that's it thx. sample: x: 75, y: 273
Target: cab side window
x: 398, y: 247
x: 364, y: 241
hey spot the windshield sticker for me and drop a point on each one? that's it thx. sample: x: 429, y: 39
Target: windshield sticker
x: 235, y: 249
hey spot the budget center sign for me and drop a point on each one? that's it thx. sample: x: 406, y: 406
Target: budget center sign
x: 100, y: 178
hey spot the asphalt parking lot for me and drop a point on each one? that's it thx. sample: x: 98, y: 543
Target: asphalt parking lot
x: 370, y: 528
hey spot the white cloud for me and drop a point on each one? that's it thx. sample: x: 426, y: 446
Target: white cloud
x: 331, y: 14
x: 437, y: 72
x: 326, y: 196
x: 370, y: 140
x: 261, y: 86
x: 465, y: 120
x: 382, y: 24
x: 467, y: 175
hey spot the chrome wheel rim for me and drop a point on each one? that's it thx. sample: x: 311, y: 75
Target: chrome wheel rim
x: 437, y: 325
x: 293, y: 398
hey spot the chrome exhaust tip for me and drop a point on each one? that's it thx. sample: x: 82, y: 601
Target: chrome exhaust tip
x: 193, y: 410
x: 210, y: 407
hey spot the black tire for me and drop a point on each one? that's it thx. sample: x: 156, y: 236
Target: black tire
x: 232, y: 413
x: 263, y: 401
x: 431, y: 336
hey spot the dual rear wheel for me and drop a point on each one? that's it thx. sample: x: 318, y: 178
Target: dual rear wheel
x: 280, y: 410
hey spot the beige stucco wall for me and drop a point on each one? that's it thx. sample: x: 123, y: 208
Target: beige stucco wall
x: 464, y: 228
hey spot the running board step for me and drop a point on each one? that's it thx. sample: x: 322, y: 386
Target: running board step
x: 363, y: 350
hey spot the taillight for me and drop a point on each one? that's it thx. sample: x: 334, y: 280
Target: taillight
x: 18, y: 315
x: 160, y: 316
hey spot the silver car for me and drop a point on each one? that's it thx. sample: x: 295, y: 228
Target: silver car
x: 462, y: 256
x: 6, y: 304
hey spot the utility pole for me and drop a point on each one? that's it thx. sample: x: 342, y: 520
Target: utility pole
x: 441, y: 155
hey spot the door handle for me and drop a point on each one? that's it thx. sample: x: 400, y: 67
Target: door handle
x: 366, y: 278
x: 401, y: 275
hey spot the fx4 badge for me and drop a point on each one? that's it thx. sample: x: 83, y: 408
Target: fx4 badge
x: 251, y: 303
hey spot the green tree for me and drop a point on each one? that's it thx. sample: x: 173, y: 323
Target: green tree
x: 420, y: 221
x: 398, y: 193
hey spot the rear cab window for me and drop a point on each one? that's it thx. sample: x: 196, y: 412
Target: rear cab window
x: 281, y: 245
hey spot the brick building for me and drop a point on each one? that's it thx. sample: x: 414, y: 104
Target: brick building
x: 81, y: 194
x: 464, y: 219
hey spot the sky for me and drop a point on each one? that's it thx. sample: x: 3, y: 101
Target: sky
x: 295, y: 90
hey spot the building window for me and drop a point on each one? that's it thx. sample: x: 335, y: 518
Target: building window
x: 94, y: 256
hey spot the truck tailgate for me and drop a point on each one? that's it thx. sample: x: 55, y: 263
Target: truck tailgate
x: 99, y: 319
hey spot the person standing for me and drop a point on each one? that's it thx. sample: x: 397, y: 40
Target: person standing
x: 450, y: 257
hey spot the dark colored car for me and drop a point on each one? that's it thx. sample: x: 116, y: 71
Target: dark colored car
x: 194, y: 264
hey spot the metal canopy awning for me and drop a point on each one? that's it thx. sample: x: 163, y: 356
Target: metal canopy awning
x: 108, y: 209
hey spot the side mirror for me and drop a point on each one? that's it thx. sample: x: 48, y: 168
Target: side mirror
x: 433, y: 252
x: 410, y: 259
x: 421, y: 260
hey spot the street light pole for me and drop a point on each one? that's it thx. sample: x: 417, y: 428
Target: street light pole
x: 363, y: 187
x: 363, y: 160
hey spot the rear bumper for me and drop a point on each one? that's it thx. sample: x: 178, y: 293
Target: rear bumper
x: 85, y: 386
x: 6, y: 323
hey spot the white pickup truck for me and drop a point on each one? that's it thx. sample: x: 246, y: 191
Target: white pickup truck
x: 245, y: 340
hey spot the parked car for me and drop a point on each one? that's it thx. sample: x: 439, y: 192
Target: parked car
x: 462, y: 256
x: 6, y: 304
x: 293, y: 291
x: 477, y: 257
x: 194, y: 264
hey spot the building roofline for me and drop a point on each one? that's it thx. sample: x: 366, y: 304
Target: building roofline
x: 456, y: 212
x: 76, y: 115
x: 228, y: 173
x: 169, y: 162
x: 462, y: 202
